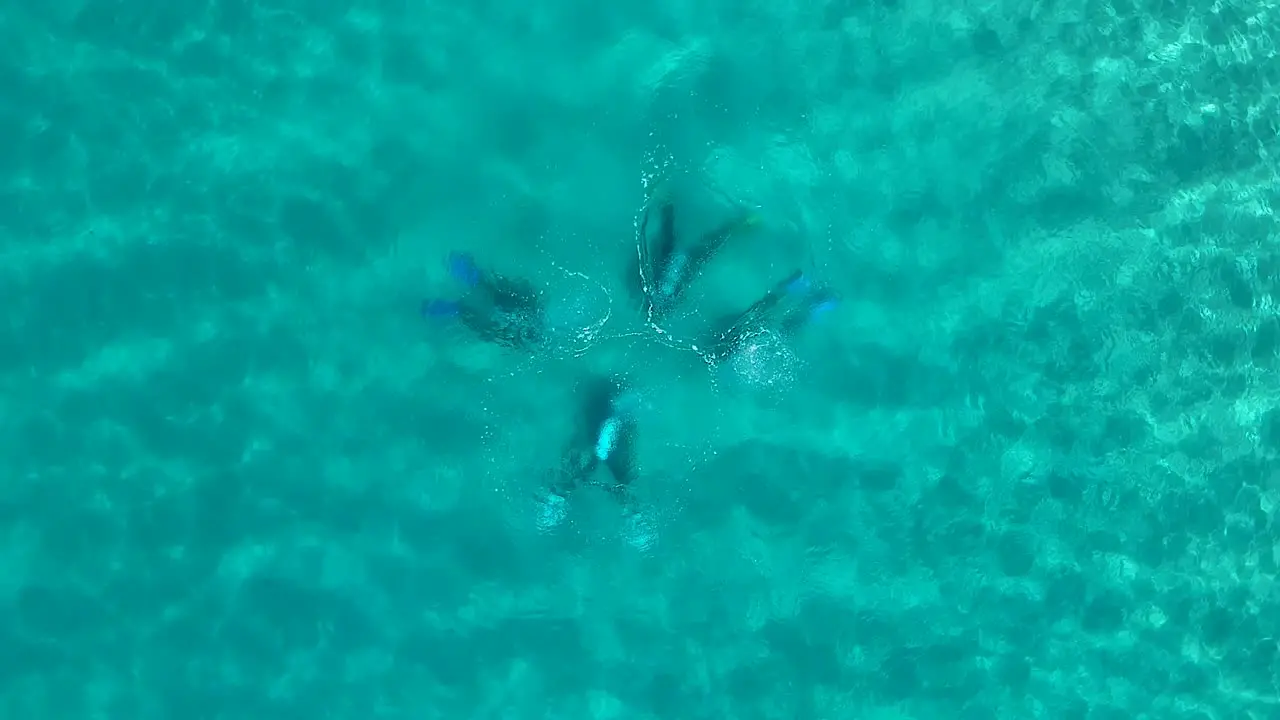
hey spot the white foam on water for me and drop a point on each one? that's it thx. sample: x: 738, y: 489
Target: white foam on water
x: 576, y: 309
x: 764, y: 360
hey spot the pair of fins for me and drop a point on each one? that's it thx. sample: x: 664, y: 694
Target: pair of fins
x: 496, y: 308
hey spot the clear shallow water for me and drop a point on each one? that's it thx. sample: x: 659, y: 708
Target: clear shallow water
x: 1026, y: 469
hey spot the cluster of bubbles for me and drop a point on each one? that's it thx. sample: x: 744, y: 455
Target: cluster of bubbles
x: 763, y: 360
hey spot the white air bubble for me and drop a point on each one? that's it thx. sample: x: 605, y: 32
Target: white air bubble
x: 764, y: 360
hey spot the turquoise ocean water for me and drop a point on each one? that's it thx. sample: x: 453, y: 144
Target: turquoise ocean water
x: 1027, y: 468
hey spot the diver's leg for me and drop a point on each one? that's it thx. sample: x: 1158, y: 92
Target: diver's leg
x: 475, y: 314
x: 576, y: 468
x: 609, y: 418
x: 714, y: 241
x: 619, y: 458
x: 638, y: 527
x: 656, y: 255
x: 668, y: 269
x: 756, y: 317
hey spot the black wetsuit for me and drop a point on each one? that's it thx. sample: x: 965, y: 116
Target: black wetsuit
x: 497, y: 309
x: 504, y: 311
x: 605, y: 436
x: 786, y: 308
x: 668, y: 269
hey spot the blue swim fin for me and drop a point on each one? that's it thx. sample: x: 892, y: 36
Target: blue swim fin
x: 463, y: 268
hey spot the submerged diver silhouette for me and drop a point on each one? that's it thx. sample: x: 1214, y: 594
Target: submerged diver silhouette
x: 668, y: 268
x: 785, y: 309
x: 600, y: 453
x: 496, y: 308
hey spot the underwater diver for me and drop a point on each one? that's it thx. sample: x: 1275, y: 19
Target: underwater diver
x: 787, y: 308
x: 668, y: 268
x: 496, y: 308
x: 604, y: 437
x: 601, y: 453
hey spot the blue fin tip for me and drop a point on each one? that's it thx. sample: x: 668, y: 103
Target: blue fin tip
x: 463, y: 268
x: 823, y: 307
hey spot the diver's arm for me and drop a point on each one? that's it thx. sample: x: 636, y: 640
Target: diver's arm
x: 666, y: 246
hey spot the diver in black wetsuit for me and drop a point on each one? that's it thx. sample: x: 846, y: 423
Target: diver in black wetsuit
x: 788, y: 307
x: 601, y: 453
x: 667, y: 268
x: 605, y: 437
x: 497, y: 309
